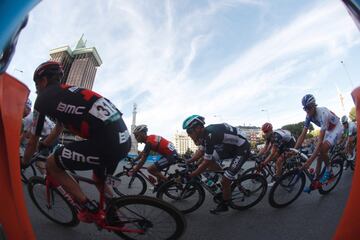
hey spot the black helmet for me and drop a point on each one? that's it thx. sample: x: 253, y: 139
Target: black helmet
x: 48, y: 68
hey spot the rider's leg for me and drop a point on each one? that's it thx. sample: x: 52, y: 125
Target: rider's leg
x: 66, y: 181
x: 153, y: 170
x: 279, y: 164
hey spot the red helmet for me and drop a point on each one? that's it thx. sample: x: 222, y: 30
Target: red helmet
x: 266, y: 127
x: 48, y: 68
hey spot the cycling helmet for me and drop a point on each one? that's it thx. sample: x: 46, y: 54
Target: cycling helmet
x: 193, y: 121
x: 140, y: 128
x: 308, y: 100
x: 266, y: 127
x: 48, y: 68
x: 28, y: 103
x: 344, y: 119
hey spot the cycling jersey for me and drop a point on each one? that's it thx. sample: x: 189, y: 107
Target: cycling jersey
x: 351, y: 130
x: 159, y: 145
x: 92, y: 117
x: 324, y: 118
x: 281, y: 139
x: 224, y: 141
x: 82, y: 111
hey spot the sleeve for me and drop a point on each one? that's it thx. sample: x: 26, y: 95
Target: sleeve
x: 277, y: 140
x: 307, y: 122
x: 209, y: 147
x: 37, y: 123
x: 324, y: 121
x: 147, y: 149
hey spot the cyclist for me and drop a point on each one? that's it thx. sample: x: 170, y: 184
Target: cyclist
x: 26, y: 131
x: 330, y: 133
x: 266, y: 127
x: 279, y: 140
x: 350, y: 132
x: 218, y: 141
x: 157, y: 144
x: 84, y: 113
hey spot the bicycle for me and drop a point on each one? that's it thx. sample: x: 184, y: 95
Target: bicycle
x: 269, y: 170
x: 247, y: 190
x: 291, y: 184
x: 130, y: 217
x: 30, y: 170
x: 137, y: 183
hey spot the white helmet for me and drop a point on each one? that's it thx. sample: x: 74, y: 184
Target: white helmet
x: 344, y: 119
x: 140, y: 128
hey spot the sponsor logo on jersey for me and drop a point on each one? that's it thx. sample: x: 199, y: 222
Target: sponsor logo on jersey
x: 78, y: 157
x: 72, y: 109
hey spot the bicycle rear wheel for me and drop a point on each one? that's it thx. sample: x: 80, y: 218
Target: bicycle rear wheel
x: 130, y: 185
x: 157, y: 219
x: 287, y: 189
x: 27, y: 173
x: 248, y: 191
x: 337, y: 169
x: 185, y: 197
x: 58, y: 209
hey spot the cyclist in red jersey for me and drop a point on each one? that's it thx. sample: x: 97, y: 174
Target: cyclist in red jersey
x: 157, y: 144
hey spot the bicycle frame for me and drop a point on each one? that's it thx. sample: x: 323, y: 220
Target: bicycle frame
x: 51, y: 183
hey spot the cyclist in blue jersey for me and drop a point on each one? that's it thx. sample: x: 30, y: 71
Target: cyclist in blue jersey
x: 330, y: 133
x: 218, y: 141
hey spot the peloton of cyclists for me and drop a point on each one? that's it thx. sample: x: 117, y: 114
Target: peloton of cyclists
x: 330, y: 133
x: 277, y: 142
x: 157, y: 144
x: 218, y: 141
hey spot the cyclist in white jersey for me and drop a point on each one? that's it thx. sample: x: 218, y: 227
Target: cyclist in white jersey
x: 349, y: 133
x: 330, y: 132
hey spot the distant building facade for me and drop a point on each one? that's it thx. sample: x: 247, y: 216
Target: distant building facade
x: 252, y: 133
x: 80, y: 65
x: 183, y: 142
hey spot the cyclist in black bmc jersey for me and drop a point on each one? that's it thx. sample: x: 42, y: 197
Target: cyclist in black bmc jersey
x: 86, y: 114
x: 218, y: 141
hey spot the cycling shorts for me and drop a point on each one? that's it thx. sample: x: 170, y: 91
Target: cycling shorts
x: 241, y: 157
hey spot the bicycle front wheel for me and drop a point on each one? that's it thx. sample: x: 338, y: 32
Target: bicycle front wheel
x: 185, y: 197
x: 155, y: 218
x: 27, y: 173
x: 337, y: 169
x: 55, y: 207
x: 287, y: 189
x: 248, y: 191
x: 130, y: 185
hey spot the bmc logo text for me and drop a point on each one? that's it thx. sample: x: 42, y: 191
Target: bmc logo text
x: 68, y: 108
x: 78, y: 157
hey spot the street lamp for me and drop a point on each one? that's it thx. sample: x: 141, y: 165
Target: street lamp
x: 267, y: 114
x: 347, y: 73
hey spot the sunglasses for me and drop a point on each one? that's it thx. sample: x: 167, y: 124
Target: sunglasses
x: 307, y: 108
x: 189, y: 130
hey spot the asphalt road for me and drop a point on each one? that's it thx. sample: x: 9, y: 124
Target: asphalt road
x: 312, y: 216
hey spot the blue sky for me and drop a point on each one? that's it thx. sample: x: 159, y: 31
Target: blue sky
x: 235, y: 61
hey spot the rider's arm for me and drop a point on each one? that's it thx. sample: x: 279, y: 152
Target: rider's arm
x: 317, y: 148
x: 197, y: 155
x: 301, y: 138
x: 273, y: 154
x: 142, y: 156
x: 30, y: 148
x: 201, y: 168
x: 54, y: 134
x: 265, y: 149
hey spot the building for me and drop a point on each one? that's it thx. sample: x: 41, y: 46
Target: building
x: 252, y: 133
x: 183, y: 142
x: 80, y: 65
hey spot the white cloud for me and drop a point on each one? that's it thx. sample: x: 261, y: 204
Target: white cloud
x: 150, y: 50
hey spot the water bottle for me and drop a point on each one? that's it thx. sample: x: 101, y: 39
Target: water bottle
x: 216, y: 188
x: 210, y: 183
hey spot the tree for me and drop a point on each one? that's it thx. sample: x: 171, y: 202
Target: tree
x: 352, y: 114
x: 296, y: 128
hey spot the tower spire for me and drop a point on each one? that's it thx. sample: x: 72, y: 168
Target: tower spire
x: 81, y: 43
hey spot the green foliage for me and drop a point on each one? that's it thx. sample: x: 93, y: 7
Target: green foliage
x: 352, y: 114
x: 296, y: 128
